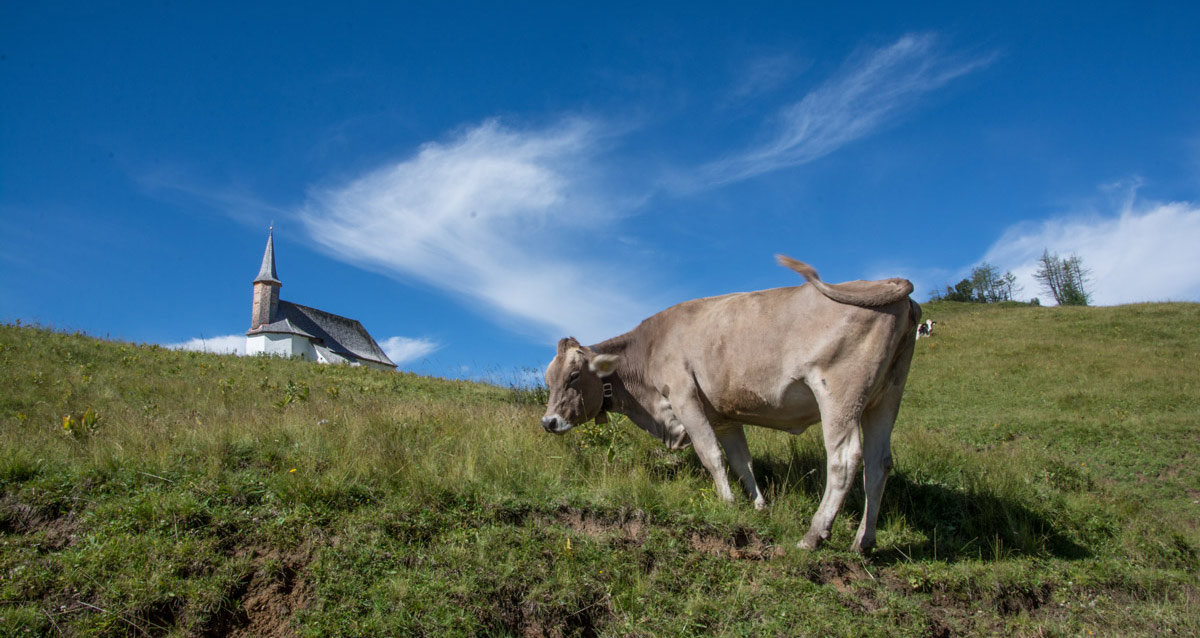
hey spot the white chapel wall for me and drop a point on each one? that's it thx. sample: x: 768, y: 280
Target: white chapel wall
x: 287, y: 345
x: 281, y: 345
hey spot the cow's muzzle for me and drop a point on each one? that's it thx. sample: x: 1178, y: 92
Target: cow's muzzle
x: 555, y: 424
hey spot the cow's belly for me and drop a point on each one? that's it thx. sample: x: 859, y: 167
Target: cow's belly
x: 791, y: 408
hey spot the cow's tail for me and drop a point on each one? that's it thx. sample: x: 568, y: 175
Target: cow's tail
x: 855, y: 293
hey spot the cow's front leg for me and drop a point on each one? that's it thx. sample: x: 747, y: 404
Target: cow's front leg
x: 733, y: 440
x: 704, y: 441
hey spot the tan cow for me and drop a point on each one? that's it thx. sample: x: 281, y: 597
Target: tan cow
x: 783, y: 358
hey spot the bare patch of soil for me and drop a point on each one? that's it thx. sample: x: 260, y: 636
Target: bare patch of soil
x: 512, y: 612
x: 851, y: 581
x: 269, y: 596
x: 958, y: 612
x: 18, y: 517
x: 939, y: 629
x: 1011, y: 599
x: 838, y: 574
x: 744, y: 544
x: 628, y: 526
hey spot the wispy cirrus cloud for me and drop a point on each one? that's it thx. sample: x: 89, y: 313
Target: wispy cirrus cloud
x: 763, y: 75
x: 239, y: 204
x: 872, y: 88
x: 507, y: 219
x: 1144, y: 252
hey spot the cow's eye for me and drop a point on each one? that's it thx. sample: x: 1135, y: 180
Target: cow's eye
x: 574, y: 377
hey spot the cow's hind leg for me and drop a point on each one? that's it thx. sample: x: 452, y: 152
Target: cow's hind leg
x: 877, y: 463
x: 737, y: 452
x: 877, y: 449
x: 843, y: 452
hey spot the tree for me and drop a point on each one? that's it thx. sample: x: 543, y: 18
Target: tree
x: 1009, y: 285
x: 990, y: 286
x: 985, y: 285
x: 962, y: 291
x: 1065, y: 278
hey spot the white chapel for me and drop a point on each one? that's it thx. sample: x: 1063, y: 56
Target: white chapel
x: 288, y: 329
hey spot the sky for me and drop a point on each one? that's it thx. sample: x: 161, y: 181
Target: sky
x: 474, y: 181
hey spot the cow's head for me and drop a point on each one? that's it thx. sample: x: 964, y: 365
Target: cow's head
x: 576, y: 389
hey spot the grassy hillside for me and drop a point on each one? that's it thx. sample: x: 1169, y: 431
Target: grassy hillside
x: 1046, y: 484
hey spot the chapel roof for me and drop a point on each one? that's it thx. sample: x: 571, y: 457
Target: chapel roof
x: 344, y: 337
x: 266, y: 274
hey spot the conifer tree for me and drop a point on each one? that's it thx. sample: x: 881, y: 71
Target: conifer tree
x: 1065, y: 278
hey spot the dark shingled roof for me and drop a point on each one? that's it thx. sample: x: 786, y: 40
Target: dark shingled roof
x: 281, y: 326
x: 344, y: 337
x: 330, y: 356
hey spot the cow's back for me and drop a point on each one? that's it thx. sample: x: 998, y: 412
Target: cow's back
x: 753, y: 354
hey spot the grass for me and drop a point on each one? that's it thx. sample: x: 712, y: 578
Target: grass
x: 1046, y: 484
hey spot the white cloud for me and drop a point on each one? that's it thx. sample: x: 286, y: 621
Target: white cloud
x: 1146, y: 252
x: 403, y: 349
x: 225, y: 344
x: 508, y: 219
x: 872, y: 88
x: 399, y: 349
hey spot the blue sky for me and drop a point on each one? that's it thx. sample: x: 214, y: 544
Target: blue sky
x: 474, y: 181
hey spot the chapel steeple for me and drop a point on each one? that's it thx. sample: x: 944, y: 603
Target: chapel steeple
x: 265, y: 307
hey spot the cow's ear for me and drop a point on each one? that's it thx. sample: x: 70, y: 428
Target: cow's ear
x: 604, y: 364
x: 567, y: 343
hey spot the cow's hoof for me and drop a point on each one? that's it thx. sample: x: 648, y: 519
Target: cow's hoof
x: 864, y: 550
x: 810, y: 542
x: 760, y: 505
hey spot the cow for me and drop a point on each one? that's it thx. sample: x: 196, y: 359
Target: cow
x: 783, y: 358
x: 926, y: 328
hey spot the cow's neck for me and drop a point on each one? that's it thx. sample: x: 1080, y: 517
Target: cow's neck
x: 631, y: 396
x: 632, y: 401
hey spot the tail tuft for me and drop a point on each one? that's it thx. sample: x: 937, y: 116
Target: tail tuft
x: 804, y: 269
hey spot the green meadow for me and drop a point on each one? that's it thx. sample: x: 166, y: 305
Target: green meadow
x: 1047, y: 483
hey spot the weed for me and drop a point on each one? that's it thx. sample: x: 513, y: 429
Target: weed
x: 292, y: 393
x: 80, y: 425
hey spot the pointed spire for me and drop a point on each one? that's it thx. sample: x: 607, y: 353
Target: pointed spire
x: 266, y: 274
